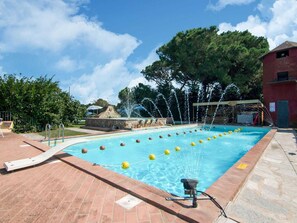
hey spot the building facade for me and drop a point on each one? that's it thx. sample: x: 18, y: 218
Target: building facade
x: 280, y: 84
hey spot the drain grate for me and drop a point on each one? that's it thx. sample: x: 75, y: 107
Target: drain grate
x: 128, y: 202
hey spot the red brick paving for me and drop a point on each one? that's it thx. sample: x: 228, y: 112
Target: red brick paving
x: 76, y: 191
x: 58, y: 192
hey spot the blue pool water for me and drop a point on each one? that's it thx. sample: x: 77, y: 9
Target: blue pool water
x: 205, y: 161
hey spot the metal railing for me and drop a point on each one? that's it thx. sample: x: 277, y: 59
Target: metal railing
x: 6, y: 115
x: 61, y: 130
x: 48, y: 134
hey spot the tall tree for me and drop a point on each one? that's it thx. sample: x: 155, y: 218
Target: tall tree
x: 101, y: 102
x: 203, y: 56
x: 36, y: 102
x: 241, y: 52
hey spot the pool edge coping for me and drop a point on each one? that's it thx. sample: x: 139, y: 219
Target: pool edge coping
x: 224, y: 189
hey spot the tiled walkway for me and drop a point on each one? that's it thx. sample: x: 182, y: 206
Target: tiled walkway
x: 270, y: 193
x: 57, y: 192
x: 68, y: 189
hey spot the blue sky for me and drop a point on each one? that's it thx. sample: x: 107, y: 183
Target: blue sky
x: 95, y: 48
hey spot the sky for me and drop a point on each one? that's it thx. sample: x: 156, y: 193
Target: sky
x: 95, y: 48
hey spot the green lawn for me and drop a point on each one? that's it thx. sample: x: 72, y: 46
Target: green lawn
x: 67, y: 132
x: 78, y: 125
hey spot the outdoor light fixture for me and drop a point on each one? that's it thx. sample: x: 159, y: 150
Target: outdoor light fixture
x: 190, y: 189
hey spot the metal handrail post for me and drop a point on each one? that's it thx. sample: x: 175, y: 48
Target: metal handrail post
x: 61, y: 128
x: 48, y: 133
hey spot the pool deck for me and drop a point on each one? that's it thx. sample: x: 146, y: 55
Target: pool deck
x: 270, y: 192
x: 67, y: 189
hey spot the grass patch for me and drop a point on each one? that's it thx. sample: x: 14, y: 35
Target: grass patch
x: 67, y: 132
x: 78, y: 125
x: 75, y: 125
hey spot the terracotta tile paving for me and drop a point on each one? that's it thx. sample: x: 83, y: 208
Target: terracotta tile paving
x: 76, y: 191
x: 58, y: 192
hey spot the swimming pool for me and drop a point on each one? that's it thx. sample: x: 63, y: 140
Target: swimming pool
x: 205, y: 161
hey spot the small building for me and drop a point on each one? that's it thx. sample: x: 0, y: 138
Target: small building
x: 280, y: 84
x: 246, y: 112
x: 109, y: 112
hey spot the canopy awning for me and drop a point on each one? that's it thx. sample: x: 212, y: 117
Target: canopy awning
x: 230, y: 103
x: 94, y: 107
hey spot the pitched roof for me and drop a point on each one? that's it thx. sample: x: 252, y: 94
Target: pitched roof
x: 285, y: 45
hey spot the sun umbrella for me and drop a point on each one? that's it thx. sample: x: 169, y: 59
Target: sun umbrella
x: 94, y: 107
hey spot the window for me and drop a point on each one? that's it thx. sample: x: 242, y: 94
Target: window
x: 282, y: 76
x: 284, y: 53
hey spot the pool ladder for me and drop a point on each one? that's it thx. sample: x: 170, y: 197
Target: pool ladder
x: 48, y: 133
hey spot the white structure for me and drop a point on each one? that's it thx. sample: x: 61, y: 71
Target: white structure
x: 23, y: 163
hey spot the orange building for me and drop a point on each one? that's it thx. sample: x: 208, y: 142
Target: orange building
x: 280, y: 84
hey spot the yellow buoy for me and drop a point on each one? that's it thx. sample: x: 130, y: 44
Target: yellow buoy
x: 208, y: 138
x: 201, y: 141
x: 225, y: 133
x: 214, y: 137
x: 193, y: 144
x: 167, y: 152
x: 152, y: 157
x: 177, y: 148
x: 125, y: 165
x: 220, y: 135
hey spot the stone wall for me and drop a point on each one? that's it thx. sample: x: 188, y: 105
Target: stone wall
x: 122, y: 123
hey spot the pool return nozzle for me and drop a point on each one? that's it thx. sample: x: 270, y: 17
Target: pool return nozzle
x: 190, y: 189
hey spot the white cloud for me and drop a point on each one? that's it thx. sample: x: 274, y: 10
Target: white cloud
x: 253, y: 24
x: 284, y: 17
x: 153, y: 56
x: 67, y: 64
x: 134, y: 82
x: 223, y: 3
x: 70, y: 42
x: 107, y: 80
x: 1, y: 71
x: 55, y: 25
x: 279, y: 26
x: 104, y: 82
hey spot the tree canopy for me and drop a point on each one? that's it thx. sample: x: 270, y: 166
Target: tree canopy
x: 203, y: 56
x: 197, y: 60
x: 36, y: 102
x: 101, y: 102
